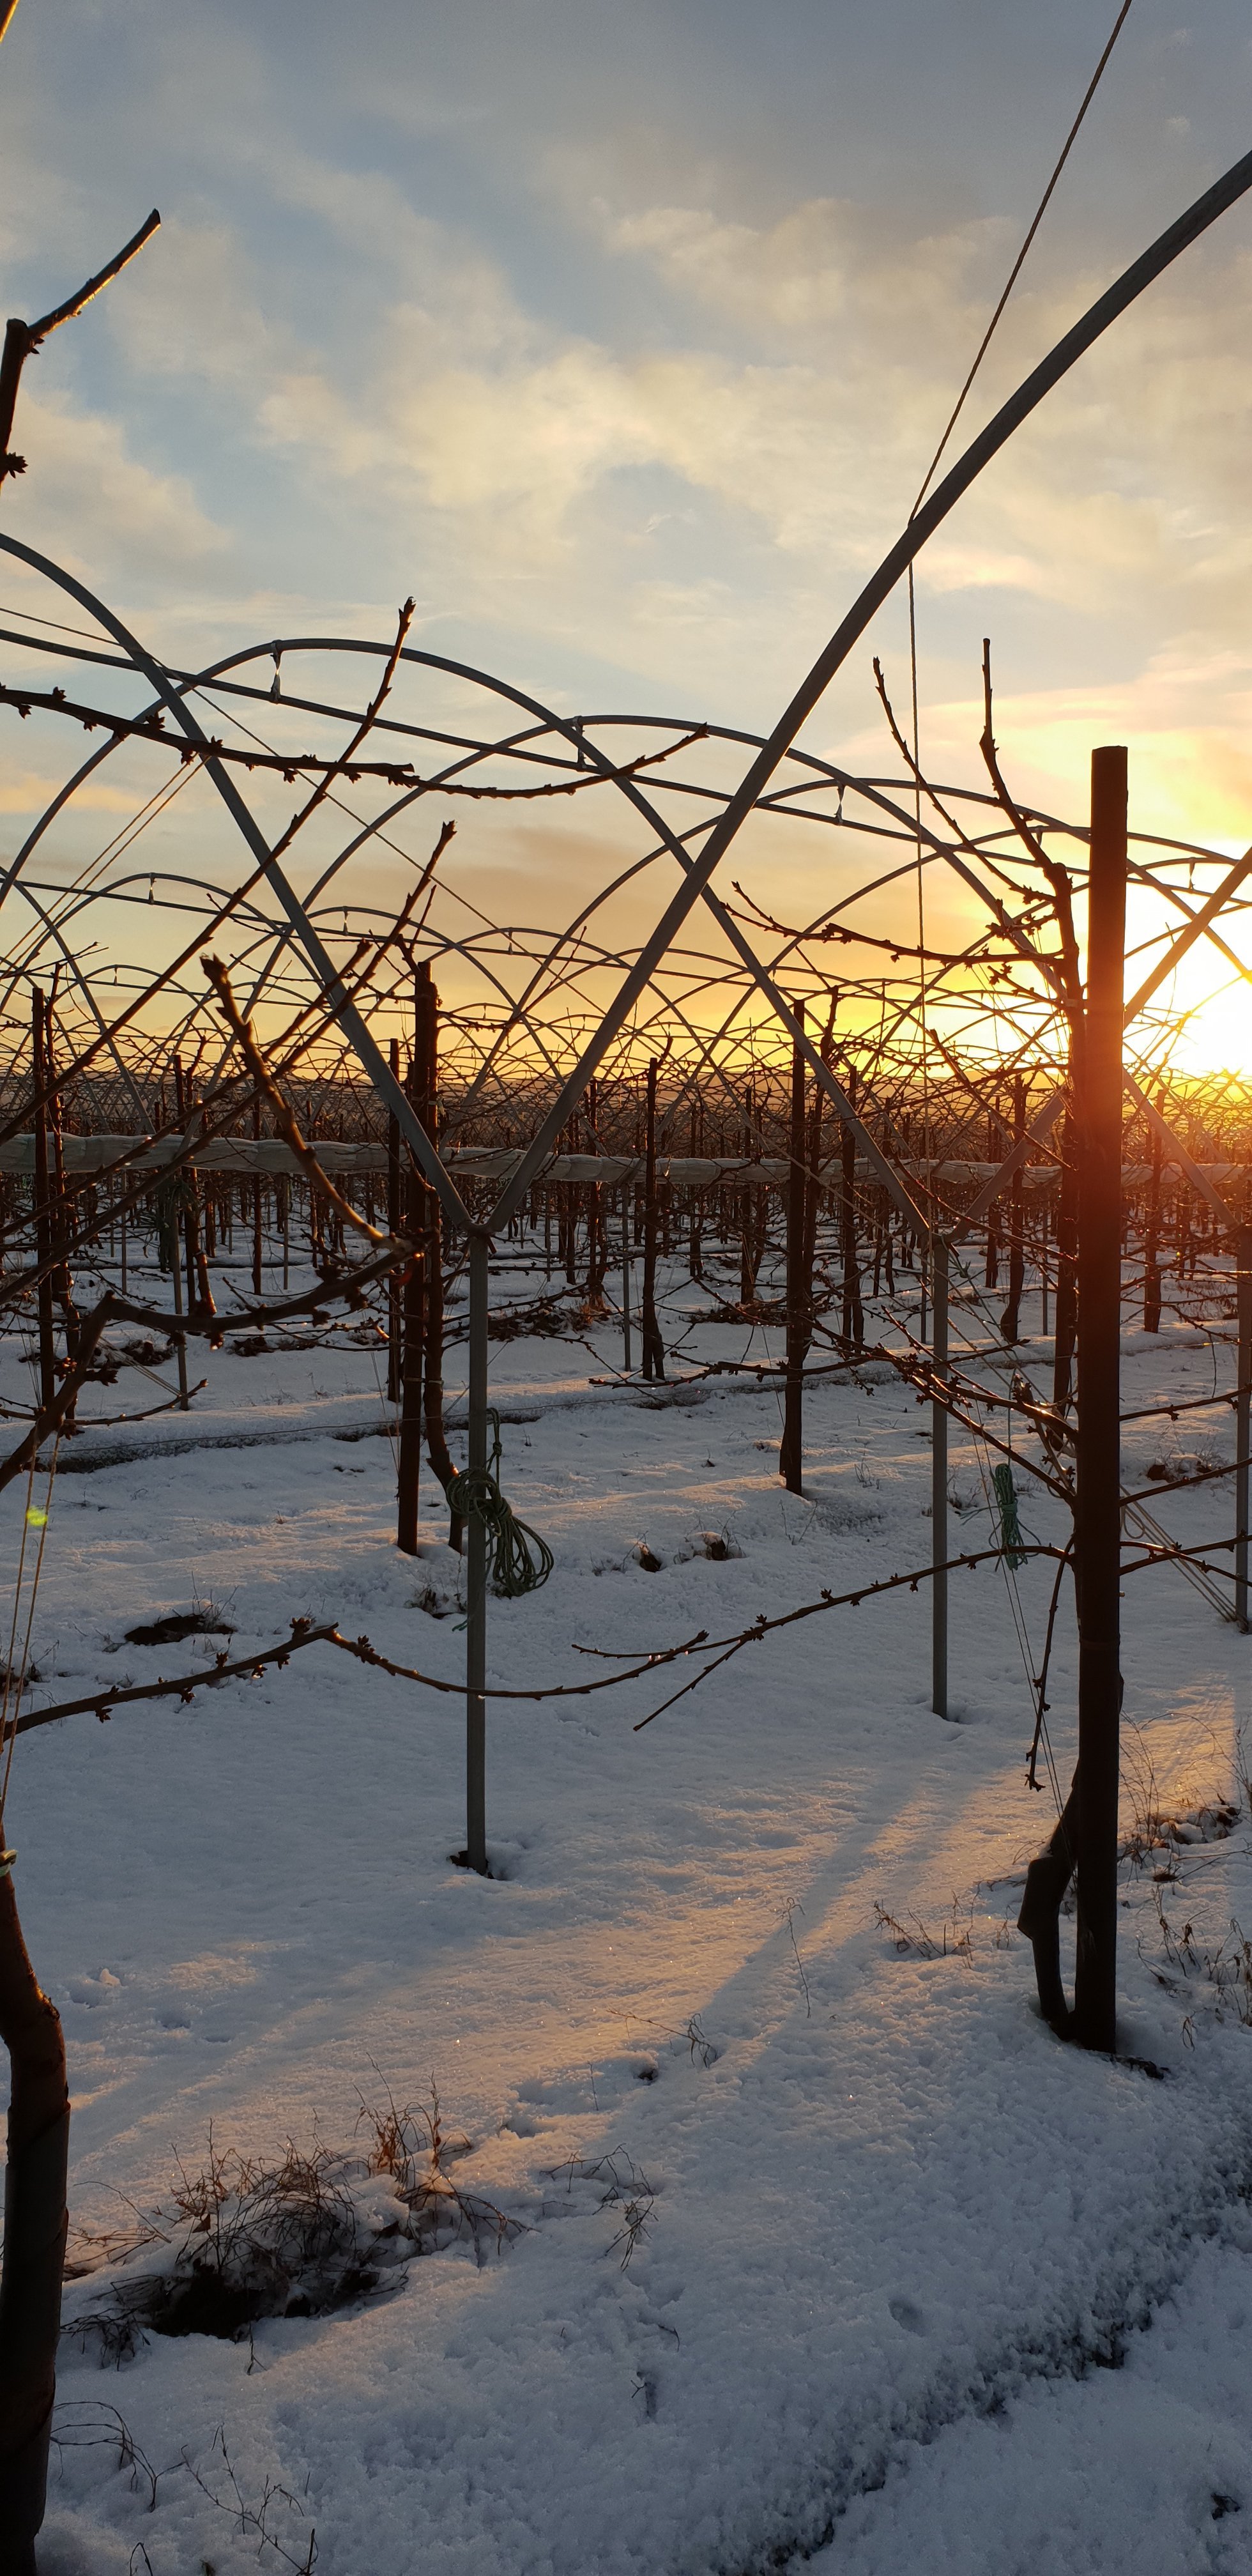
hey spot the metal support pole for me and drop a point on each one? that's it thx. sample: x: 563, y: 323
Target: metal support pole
x: 1243, y: 1416
x: 476, y: 1569
x: 1097, y: 1501
x: 939, y: 1478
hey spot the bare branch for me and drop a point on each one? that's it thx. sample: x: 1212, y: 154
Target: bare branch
x: 22, y: 339
x: 1057, y: 877
x: 285, y: 1118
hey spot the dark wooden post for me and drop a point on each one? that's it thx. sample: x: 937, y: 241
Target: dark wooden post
x: 43, y: 1208
x: 199, y: 1293
x: 1152, y: 1238
x: 1243, y: 1423
x: 1066, y: 1302
x: 256, y: 1206
x: 1011, y: 1319
x: 1097, y: 1504
x: 853, y: 1312
x: 393, y: 1228
x: 423, y: 1076
x: 939, y: 1474
x: 35, y: 2226
x: 597, y: 1239
x: 650, y: 1330
x: 791, y: 1451
x: 695, y: 1197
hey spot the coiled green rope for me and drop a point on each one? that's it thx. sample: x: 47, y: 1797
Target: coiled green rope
x: 518, y: 1559
x: 1006, y: 1510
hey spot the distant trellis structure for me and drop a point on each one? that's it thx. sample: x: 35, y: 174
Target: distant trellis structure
x: 536, y: 1012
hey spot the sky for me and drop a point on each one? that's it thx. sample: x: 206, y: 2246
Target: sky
x: 622, y: 338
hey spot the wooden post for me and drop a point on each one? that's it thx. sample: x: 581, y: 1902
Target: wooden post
x: 597, y: 1242
x: 939, y: 1478
x: 256, y: 1208
x: 627, y: 1361
x: 476, y: 1569
x: 1097, y: 1502
x: 1152, y: 1236
x: 1011, y: 1319
x: 43, y: 1209
x: 35, y: 2225
x: 393, y: 1228
x: 423, y: 1079
x: 1243, y: 1410
x: 853, y: 1312
x: 791, y: 1450
x: 1066, y: 1297
x: 653, y: 1346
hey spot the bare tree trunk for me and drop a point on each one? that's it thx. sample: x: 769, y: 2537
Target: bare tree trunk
x: 35, y: 2227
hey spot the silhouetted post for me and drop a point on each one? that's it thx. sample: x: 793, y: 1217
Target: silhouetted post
x: 627, y: 1361
x: 791, y: 1451
x: 939, y: 1477
x: 1243, y: 1409
x: 476, y: 1568
x: 1097, y: 1502
x: 35, y: 2225
x: 423, y: 1075
x: 1066, y: 1310
x: 43, y: 1207
x: 653, y: 1346
x: 393, y: 1228
x: 1011, y: 1319
x: 256, y: 1204
x: 853, y: 1312
x: 1152, y: 1238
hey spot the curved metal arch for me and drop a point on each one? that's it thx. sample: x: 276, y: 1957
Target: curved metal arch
x: 698, y: 875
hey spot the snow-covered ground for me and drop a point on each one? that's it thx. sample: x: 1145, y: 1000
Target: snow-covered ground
x: 822, y: 2243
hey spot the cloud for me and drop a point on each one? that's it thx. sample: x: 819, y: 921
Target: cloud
x: 89, y: 502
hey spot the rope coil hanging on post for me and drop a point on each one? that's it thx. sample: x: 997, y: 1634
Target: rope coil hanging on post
x: 518, y: 1559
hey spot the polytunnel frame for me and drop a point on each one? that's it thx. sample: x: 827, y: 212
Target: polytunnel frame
x: 697, y: 883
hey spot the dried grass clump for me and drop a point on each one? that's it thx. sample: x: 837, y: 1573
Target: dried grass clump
x: 314, y: 2231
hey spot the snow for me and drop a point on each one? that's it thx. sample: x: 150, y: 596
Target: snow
x: 885, y: 2232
